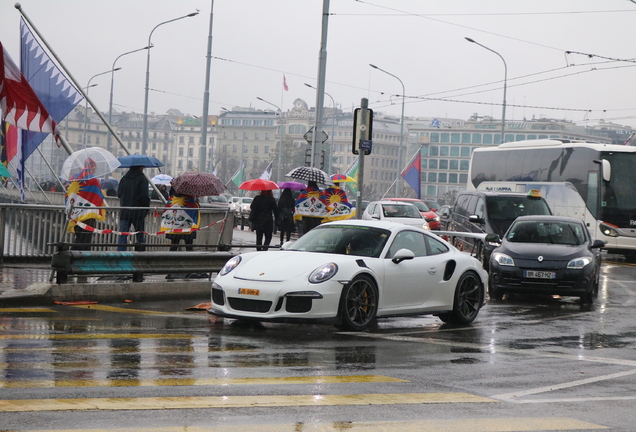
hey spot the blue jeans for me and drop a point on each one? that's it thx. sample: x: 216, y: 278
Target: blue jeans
x: 125, y: 225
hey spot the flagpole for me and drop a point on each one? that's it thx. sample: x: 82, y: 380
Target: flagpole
x: 57, y: 178
x: 79, y: 88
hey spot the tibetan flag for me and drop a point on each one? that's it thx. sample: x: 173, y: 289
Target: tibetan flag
x: 285, y: 83
x: 412, y: 174
x: 182, y: 216
x: 84, y: 200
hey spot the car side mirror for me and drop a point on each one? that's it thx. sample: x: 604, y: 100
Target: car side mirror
x: 475, y: 219
x: 598, y: 244
x: 493, y: 239
x: 401, y: 255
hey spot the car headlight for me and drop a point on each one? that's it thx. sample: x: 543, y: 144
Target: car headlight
x: 230, y: 265
x: 425, y: 226
x: 503, y: 259
x: 323, y: 273
x: 579, y: 263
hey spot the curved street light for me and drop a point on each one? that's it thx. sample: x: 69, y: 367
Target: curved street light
x: 333, y: 119
x: 144, y: 143
x: 86, y: 99
x: 503, y: 113
x: 112, y: 84
x: 280, y: 132
x: 399, y: 162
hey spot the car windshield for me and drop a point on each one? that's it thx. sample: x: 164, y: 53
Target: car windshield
x: 247, y: 200
x: 343, y: 240
x: 565, y: 233
x: 420, y: 206
x: 401, y: 211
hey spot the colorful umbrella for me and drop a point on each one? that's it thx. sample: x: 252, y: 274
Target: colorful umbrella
x: 292, y: 185
x: 88, y: 163
x: 163, y: 179
x: 258, y: 185
x: 139, y: 160
x: 342, y: 178
x: 197, y: 184
x: 310, y: 174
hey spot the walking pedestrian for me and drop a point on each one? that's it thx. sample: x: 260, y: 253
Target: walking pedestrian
x: 133, y: 192
x: 263, y: 212
x: 286, y: 208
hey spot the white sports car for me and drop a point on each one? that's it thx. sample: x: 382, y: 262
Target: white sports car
x: 349, y: 273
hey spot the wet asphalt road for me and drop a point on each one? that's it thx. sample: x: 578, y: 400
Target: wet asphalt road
x: 525, y: 364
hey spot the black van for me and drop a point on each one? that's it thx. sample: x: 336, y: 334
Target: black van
x: 492, y: 213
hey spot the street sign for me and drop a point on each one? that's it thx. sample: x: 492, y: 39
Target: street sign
x: 366, y: 146
x: 309, y: 136
x: 359, y: 130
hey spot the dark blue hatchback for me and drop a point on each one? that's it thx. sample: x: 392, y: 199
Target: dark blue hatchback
x: 547, y: 255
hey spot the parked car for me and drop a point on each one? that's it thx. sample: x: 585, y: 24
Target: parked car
x: 547, y: 255
x: 431, y: 217
x: 216, y: 200
x: 349, y: 273
x: 395, y: 211
x: 492, y: 213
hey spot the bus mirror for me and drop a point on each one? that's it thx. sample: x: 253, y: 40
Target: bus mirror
x: 607, y: 170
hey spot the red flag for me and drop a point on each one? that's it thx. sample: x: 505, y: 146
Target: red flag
x: 285, y: 83
x: 19, y: 104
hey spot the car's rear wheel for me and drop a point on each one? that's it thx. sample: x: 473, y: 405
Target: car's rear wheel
x: 358, y: 304
x: 468, y: 300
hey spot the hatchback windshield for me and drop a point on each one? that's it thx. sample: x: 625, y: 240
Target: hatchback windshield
x: 401, y: 211
x: 564, y: 233
x: 343, y: 240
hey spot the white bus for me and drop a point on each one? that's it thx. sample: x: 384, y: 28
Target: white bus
x: 592, y: 181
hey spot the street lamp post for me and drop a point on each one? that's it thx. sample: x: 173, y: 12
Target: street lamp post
x: 333, y: 119
x: 112, y: 85
x: 503, y: 112
x: 280, y: 132
x: 144, y: 143
x: 86, y: 99
x: 399, y: 162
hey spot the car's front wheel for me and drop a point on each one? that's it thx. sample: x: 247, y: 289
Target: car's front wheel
x: 358, y: 304
x: 469, y: 296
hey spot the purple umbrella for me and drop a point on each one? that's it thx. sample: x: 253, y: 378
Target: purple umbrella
x: 292, y: 185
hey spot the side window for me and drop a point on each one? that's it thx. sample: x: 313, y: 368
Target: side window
x: 410, y: 240
x: 376, y: 210
x: 472, y: 205
x: 434, y: 246
x: 460, y: 207
x: 480, y: 210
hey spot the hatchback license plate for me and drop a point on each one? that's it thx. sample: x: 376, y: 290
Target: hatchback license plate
x: 248, y: 291
x: 539, y: 274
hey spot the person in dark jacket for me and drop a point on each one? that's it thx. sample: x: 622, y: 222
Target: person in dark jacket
x: 163, y: 189
x: 133, y: 192
x: 286, y: 208
x: 262, y: 209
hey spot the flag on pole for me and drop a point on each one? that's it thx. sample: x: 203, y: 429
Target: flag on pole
x: 8, y: 142
x: 285, y: 83
x: 352, y: 172
x: 51, y: 86
x: 412, y: 174
x: 267, y: 174
x: 239, y: 175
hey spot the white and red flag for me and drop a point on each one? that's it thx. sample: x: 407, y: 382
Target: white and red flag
x: 285, y: 83
x: 19, y: 104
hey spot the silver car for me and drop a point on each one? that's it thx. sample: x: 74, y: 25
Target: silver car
x: 393, y: 211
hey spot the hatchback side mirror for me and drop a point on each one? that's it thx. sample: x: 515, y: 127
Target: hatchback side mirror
x: 598, y: 244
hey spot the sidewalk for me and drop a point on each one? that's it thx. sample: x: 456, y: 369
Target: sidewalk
x: 22, y: 284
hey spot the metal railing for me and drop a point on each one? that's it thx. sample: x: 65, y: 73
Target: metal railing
x: 34, y: 231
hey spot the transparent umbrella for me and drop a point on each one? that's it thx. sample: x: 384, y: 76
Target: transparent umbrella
x: 88, y: 163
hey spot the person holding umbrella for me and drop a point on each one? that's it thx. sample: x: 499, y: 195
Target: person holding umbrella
x: 133, y: 192
x: 262, y: 209
x: 286, y: 207
x: 84, y: 202
x: 181, y: 217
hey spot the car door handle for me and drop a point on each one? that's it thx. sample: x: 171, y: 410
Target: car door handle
x: 432, y: 270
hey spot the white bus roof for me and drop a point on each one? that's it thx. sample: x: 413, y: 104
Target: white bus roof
x: 542, y: 143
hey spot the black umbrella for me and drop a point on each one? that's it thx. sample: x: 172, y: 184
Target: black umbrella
x: 310, y: 174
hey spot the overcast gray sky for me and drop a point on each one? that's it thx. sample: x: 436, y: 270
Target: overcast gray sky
x: 256, y: 42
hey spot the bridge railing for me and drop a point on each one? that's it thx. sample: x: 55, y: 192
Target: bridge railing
x: 35, y: 231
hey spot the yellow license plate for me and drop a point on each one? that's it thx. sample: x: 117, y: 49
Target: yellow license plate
x: 248, y: 291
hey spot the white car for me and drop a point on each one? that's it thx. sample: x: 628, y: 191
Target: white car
x: 398, y: 212
x: 349, y: 273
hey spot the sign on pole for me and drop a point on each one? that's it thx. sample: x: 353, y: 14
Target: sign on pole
x: 362, y: 130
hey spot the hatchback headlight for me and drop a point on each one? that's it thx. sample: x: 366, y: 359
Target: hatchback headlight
x: 503, y: 259
x: 323, y: 273
x: 230, y: 265
x: 579, y: 263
